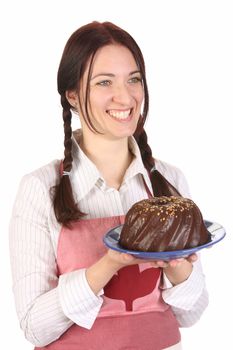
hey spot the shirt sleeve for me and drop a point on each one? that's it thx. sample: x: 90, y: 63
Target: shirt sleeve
x: 47, y: 305
x: 78, y: 301
x: 188, y: 299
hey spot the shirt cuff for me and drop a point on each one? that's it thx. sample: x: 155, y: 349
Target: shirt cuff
x: 78, y: 301
x: 184, y: 295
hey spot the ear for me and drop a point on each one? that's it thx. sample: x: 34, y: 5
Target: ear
x: 72, y: 97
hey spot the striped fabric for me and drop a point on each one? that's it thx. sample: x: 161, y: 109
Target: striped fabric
x: 44, y: 302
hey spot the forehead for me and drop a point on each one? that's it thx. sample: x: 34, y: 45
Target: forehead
x: 114, y: 59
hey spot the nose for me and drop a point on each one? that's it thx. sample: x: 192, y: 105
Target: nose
x: 122, y: 95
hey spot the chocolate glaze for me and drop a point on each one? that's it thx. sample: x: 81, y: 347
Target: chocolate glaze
x: 163, y: 224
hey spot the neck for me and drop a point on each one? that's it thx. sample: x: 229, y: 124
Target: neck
x: 101, y: 149
x: 111, y: 157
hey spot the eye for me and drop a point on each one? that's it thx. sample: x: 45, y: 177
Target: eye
x: 135, y: 80
x: 104, y: 83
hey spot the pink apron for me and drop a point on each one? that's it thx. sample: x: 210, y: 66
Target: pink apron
x: 133, y: 315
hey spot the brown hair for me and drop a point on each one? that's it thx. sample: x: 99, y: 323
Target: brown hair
x: 80, y: 50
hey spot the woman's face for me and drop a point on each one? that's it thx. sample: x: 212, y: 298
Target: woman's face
x: 116, y: 92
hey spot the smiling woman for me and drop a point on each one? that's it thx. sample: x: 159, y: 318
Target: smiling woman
x: 70, y: 291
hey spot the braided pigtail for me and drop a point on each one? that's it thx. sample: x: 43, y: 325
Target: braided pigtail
x: 65, y: 207
x: 160, y: 186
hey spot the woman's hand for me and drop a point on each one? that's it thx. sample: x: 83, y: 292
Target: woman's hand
x: 177, y: 270
x: 99, y: 274
x: 175, y: 262
x: 123, y: 259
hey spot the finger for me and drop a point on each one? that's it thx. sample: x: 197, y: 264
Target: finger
x: 159, y: 263
x: 192, y: 258
x: 175, y: 262
x: 127, y: 257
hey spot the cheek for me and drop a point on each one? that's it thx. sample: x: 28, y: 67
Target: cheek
x: 138, y: 95
x: 98, y: 100
x: 139, y: 98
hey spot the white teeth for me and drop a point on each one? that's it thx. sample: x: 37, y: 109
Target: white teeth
x: 119, y: 114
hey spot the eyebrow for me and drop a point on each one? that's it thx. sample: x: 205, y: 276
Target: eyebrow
x: 112, y: 75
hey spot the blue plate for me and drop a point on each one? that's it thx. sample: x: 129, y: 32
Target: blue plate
x: 111, y: 240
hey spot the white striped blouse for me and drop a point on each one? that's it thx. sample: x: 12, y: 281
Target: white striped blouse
x: 47, y: 305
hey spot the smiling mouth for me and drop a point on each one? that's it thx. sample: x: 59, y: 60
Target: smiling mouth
x: 120, y: 115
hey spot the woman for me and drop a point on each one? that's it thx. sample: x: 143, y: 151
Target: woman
x: 70, y: 291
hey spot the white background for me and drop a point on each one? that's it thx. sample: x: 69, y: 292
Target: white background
x: 187, y: 47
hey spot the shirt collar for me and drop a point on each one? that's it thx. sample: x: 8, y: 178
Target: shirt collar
x: 85, y: 175
x: 137, y: 167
